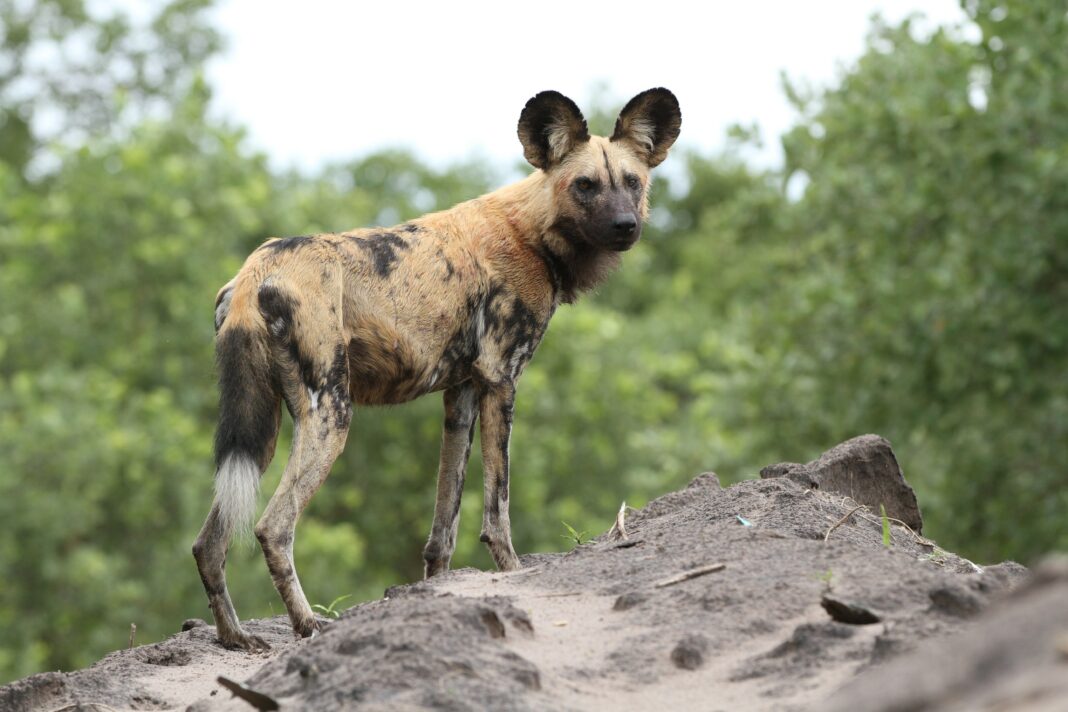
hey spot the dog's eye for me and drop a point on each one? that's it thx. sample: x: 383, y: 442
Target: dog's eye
x: 584, y: 184
x: 632, y: 181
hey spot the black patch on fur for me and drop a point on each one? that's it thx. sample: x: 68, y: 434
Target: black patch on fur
x: 458, y: 418
x: 397, y: 385
x: 558, y: 271
x: 461, y: 473
x: 454, y: 424
x: 248, y: 400
x: 460, y: 352
x: 220, y: 316
x: 286, y: 244
x: 611, y: 178
x: 277, y: 309
x: 462, y: 348
x: 411, y: 227
x: 337, y: 386
x: 383, y: 248
x: 449, y: 269
x: 507, y: 411
x: 330, y: 380
x: 283, y: 540
x: 511, y: 323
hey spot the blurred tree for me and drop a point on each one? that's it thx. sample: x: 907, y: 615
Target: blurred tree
x: 68, y: 73
x: 932, y: 270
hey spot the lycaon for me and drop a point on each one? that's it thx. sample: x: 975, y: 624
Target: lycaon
x: 455, y: 301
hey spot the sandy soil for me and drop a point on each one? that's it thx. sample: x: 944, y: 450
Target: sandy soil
x: 601, y: 627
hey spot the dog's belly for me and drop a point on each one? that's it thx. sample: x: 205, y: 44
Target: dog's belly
x: 410, y: 326
x: 396, y: 359
x: 388, y: 372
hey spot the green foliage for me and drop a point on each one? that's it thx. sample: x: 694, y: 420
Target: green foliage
x: 68, y: 72
x: 331, y: 611
x: 905, y: 274
x: 886, y: 526
x: 576, y: 538
x: 931, y: 271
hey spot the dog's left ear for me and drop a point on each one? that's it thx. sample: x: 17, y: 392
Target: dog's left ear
x: 651, y: 121
x: 549, y: 128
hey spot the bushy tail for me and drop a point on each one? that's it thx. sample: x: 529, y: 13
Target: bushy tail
x: 248, y: 419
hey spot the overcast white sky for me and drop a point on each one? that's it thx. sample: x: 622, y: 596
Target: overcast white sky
x: 323, y: 80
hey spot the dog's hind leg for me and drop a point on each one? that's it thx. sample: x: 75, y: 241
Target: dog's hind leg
x: 315, y: 383
x: 461, y: 412
x: 249, y: 409
x: 210, y: 552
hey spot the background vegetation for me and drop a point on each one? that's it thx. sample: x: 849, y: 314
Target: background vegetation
x: 904, y: 273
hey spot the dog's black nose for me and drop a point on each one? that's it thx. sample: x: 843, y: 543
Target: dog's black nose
x: 624, y: 223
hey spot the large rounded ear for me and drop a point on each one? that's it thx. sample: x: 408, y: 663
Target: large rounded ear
x: 549, y: 128
x: 651, y: 121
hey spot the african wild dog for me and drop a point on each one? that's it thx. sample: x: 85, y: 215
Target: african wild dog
x: 455, y: 301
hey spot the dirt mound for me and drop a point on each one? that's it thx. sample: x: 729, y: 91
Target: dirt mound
x: 166, y: 675
x: 1015, y: 658
x: 765, y: 595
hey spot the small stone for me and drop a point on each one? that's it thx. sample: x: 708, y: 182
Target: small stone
x: 689, y: 653
x: 191, y: 623
x: 628, y: 601
x: 848, y: 612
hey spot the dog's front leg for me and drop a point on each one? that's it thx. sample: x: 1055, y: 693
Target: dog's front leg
x: 495, y: 412
x: 461, y: 411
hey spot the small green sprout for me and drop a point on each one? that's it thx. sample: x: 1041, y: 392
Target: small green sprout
x: 332, y: 610
x: 574, y: 536
x: 886, y: 526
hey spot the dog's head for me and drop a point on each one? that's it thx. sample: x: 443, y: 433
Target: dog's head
x: 600, y: 184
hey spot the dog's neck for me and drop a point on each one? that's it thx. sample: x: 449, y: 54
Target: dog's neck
x: 572, y: 264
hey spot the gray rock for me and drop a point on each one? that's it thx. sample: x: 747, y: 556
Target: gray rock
x: 863, y: 468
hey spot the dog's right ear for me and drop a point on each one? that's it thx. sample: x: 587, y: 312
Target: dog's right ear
x: 651, y: 123
x: 549, y: 128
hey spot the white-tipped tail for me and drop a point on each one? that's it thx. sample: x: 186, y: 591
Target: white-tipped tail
x: 237, y: 484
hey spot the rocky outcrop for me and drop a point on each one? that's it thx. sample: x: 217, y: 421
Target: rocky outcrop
x: 864, y: 469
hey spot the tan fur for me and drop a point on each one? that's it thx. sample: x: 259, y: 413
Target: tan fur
x: 455, y: 301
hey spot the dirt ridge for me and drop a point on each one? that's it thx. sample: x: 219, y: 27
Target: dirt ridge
x: 591, y: 628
